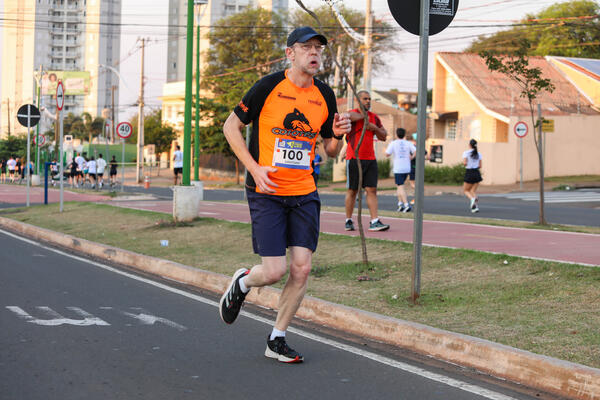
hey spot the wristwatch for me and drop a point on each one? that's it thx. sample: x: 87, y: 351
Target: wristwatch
x: 340, y: 137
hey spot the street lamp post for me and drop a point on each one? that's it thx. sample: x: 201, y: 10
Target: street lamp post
x: 199, y: 4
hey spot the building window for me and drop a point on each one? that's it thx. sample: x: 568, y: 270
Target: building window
x: 451, y: 129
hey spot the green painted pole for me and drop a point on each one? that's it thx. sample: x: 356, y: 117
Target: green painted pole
x: 197, y: 132
x: 187, y: 115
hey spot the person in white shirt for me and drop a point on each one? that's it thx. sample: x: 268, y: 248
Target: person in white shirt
x: 472, y: 162
x: 80, y: 166
x: 91, y: 166
x: 403, y: 152
x: 12, y: 164
x: 177, y: 164
x: 100, y: 166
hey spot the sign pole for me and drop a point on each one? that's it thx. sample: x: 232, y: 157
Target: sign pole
x: 61, y: 167
x: 123, y: 166
x: 521, y: 162
x: 28, y: 155
x: 420, y: 167
x: 60, y: 102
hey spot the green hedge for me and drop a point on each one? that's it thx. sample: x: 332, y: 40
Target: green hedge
x: 384, y: 168
x: 442, y: 175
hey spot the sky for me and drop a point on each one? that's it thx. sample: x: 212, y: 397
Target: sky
x: 148, y: 19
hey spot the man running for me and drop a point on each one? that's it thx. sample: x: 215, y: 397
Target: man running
x: 288, y: 110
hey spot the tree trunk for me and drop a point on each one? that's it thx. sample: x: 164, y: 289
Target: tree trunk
x: 542, y: 219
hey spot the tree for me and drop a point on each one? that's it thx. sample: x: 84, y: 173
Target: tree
x: 157, y: 133
x: 383, y: 42
x: 13, y: 146
x: 244, y: 47
x: 531, y: 83
x: 74, y: 125
x: 570, y: 29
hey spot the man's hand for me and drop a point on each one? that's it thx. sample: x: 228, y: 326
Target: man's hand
x: 341, y: 124
x: 262, y: 180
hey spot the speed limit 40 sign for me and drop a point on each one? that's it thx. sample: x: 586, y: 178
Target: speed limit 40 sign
x: 124, y: 130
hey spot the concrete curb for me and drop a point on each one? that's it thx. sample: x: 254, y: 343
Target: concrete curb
x: 545, y: 373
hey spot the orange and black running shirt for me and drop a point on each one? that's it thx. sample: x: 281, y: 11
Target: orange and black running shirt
x: 286, y: 121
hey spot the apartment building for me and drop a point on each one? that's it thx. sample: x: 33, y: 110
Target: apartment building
x: 70, y: 40
x: 210, y: 13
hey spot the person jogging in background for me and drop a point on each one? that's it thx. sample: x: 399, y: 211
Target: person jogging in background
x: 472, y: 162
x: 316, y: 165
x: 177, y: 165
x: 100, y: 166
x: 288, y: 110
x: 403, y: 153
x: 113, y: 171
x: 368, y: 163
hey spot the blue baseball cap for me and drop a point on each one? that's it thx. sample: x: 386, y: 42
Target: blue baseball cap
x: 304, y: 34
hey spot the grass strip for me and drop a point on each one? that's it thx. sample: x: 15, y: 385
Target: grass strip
x: 545, y: 307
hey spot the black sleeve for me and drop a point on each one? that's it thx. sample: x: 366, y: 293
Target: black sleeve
x: 329, y: 96
x: 249, y: 108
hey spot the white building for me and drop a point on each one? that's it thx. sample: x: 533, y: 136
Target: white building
x: 70, y: 38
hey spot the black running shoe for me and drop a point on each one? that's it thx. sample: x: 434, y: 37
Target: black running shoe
x: 349, y: 225
x: 278, y: 349
x: 233, y: 298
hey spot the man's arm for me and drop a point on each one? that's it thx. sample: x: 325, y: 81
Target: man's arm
x: 233, y: 133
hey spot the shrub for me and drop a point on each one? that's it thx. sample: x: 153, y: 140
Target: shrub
x: 452, y: 175
x: 384, y: 168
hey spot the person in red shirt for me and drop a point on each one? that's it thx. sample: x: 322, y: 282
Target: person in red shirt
x: 288, y: 110
x: 366, y: 154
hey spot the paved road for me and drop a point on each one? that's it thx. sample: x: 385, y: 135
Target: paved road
x: 581, y: 207
x: 578, y: 207
x: 73, y: 329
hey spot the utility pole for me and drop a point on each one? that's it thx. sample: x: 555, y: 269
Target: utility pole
x: 349, y: 95
x: 112, y: 133
x: 337, y: 74
x: 8, y: 110
x: 140, y: 146
x: 368, y: 36
x: 187, y: 112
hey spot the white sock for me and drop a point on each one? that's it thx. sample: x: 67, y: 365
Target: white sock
x: 374, y: 220
x: 399, y: 203
x: 275, y: 333
x: 243, y: 286
x: 348, y: 219
x: 405, y: 204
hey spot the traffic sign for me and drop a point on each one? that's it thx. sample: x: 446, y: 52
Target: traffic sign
x: 28, y: 115
x: 124, y: 130
x: 60, y: 95
x: 521, y: 129
x: 42, y: 140
x: 408, y: 14
x: 548, y: 125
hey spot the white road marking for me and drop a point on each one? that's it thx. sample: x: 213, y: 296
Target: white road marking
x: 146, y: 319
x: 58, y: 319
x: 351, y: 349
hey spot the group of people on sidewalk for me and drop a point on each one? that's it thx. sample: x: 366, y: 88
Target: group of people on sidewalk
x: 13, y: 171
x: 82, y: 171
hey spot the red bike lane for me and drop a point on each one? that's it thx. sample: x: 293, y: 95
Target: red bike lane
x: 568, y: 247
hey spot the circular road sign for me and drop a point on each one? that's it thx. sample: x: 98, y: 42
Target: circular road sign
x: 408, y: 14
x: 28, y: 115
x: 60, y: 95
x: 42, y: 140
x: 521, y: 129
x: 124, y: 130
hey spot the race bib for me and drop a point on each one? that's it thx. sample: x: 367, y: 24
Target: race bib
x: 291, y: 153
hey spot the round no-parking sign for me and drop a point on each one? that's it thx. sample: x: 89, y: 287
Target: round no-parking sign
x: 521, y: 129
